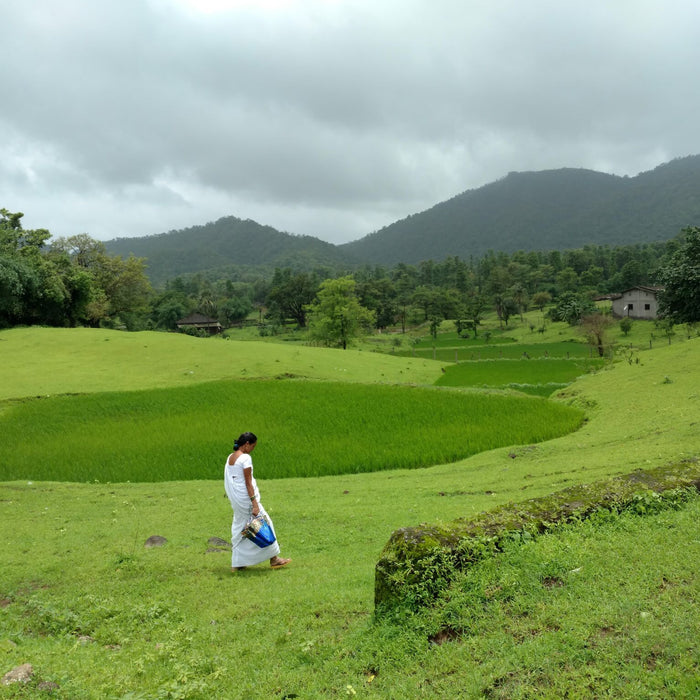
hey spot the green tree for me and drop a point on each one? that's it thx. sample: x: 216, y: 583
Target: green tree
x: 505, y: 308
x: 448, y: 303
x: 14, y: 239
x: 404, y: 280
x: 290, y: 295
x: 631, y: 274
x: 567, y: 280
x: 168, y: 309
x: 19, y: 285
x: 235, y: 309
x: 425, y: 298
x: 595, y: 326
x: 379, y: 295
x: 53, y: 297
x: 435, y: 322
x: 475, y: 305
x: 32, y: 285
x: 541, y: 299
x: 120, y: 288
x: 680, y: 276
x: 126, y: 288
x: 336, y: 317
x: 592, y: 276
x: 571, y: 307
x: 519, y: 295
x: 83, y: 251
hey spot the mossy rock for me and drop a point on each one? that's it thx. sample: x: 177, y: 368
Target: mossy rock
x: 417, y: 563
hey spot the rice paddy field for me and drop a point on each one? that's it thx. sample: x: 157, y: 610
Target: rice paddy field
x: 517, y: 358
x: 99, y: 615
x: 540, y: 377
x: 503, y: 347
x: 308, y: 429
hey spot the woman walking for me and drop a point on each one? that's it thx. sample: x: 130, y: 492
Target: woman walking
x: 242, y: 491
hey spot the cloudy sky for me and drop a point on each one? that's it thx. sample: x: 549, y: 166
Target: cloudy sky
x: 330, y: 118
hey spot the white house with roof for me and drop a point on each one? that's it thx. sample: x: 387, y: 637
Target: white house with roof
x: 637, y: 302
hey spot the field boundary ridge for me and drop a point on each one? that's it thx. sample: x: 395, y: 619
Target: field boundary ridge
x: 418, y: 563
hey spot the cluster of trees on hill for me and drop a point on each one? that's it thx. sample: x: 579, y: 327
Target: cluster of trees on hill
x: 431, y: 291
x: 74, y: 281
x: 70, y: 282
x: 230, y: 243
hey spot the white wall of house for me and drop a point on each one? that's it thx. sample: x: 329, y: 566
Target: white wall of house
x: 639, y: 302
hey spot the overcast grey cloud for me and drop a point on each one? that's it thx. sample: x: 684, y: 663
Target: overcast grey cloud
x: 330, y: 118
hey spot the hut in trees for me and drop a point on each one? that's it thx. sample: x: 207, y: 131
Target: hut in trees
x: 199, y: 322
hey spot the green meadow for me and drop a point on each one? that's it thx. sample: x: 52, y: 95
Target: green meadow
x: 602, y: 609
x: 47, y: 361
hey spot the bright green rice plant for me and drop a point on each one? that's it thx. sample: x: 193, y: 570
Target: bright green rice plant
x: 305, y: 429
x: 505, y: 351
x: 452, y: 339
x: 531, y: 376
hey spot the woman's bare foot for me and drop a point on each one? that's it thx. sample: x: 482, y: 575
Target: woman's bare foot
x: 278, y: 562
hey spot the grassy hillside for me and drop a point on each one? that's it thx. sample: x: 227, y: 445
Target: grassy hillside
x: 101, y: 616
x: 40, y: 361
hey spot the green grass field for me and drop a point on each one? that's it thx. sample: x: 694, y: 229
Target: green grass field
x: 47, y: 361
x: 101, y: 616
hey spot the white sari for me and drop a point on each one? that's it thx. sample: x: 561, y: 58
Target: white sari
x: 245, y: 552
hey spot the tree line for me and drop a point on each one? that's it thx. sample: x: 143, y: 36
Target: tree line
x: 567, y: 283
x: 73, y: 281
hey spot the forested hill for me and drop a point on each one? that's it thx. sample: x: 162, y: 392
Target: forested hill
x: 532, y: 211
x: 549, y: 210
x: 228, y: 242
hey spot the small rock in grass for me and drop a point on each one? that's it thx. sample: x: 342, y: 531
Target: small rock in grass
x: 216, y: 544
x: 48, y: 686
x: 155, y: 541
x: 19, y: 674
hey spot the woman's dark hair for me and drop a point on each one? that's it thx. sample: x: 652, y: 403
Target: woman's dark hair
x: 244, y: 439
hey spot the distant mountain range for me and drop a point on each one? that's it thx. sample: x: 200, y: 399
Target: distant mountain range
x: 547, y: 210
